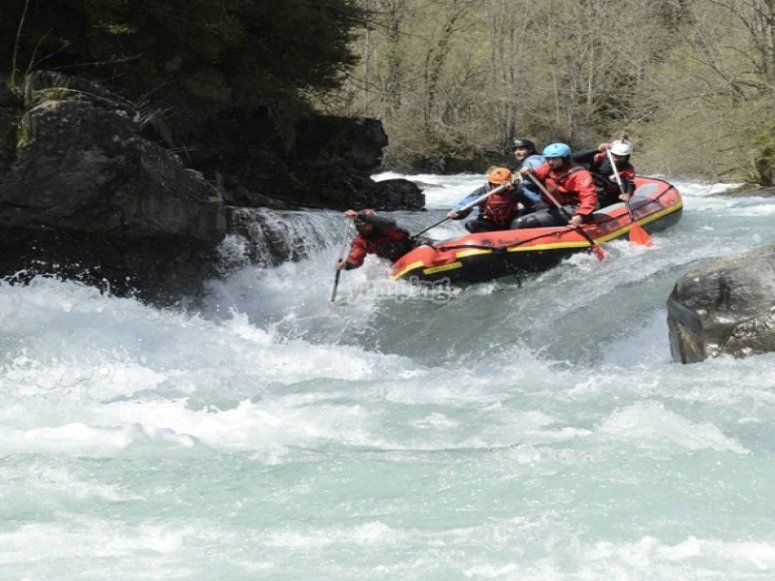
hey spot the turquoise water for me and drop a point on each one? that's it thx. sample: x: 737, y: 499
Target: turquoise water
x: 522, y: 429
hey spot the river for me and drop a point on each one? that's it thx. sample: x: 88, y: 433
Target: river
x: 531, y: 428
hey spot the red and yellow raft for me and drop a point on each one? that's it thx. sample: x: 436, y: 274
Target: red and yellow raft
x: 656, y: 205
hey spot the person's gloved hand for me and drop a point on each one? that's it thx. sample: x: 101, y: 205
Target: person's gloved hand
x: 575, y: 221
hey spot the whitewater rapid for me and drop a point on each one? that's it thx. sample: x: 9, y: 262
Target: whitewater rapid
x: 527, y: 428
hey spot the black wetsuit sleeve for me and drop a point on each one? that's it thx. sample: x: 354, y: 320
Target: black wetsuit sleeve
x: 586, y: 157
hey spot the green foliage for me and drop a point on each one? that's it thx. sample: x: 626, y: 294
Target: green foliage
x: 224, y: 79
x: 261, y: 48
x: 764, y: 158
x: 450, y: 79
x: 683, y: 76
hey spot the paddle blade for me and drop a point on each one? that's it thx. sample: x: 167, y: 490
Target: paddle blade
x: 599, y: 252
x: 639, y: 236
x: 336, y: 284
x: 596, y: 248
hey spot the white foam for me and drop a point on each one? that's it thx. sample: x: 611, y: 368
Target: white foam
x: 651, y: 424
x: 371, y: 533
x: 707, y: 554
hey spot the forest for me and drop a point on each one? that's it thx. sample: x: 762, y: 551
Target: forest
x: 222, y: 81
x: 453, y: 81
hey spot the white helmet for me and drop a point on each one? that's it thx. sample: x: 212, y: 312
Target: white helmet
x: 621, y: 147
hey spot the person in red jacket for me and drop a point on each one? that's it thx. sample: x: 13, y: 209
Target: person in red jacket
x: 599, y: 163
x: 376, y: 235
x: 571, y: 186
x: 497, y: 211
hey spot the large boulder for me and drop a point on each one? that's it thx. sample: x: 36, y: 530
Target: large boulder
x: 86, y: 195
x: 395, y: 194
x: 324, y: 161
x: 358, y: 142
x: 725, y: 307
x: 332, y: 161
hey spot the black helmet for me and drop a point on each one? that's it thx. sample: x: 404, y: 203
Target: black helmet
x: 363, y: 218
x: 526, y: 143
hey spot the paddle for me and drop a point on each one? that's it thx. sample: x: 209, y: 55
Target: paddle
x: 341, y: 257
x: 599, y: 252
x: 468, y: 206
x: 637, y: 234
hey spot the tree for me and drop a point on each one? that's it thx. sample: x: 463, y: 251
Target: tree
x: 214, y: 72
x: 720, y: 78
x: 259, y: 48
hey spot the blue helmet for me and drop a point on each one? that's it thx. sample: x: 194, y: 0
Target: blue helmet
x: 556, y: 150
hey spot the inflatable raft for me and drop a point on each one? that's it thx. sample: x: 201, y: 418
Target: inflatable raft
x: 656, y: 205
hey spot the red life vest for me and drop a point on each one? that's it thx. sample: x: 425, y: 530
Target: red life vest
x: 501, y: 208
x: 603, y: 174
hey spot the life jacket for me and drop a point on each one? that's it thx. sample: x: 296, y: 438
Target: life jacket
x: 555, y: 184
x: 605, y: 178
x: 574, y: 186
x: 392, y: 245
x: 603, y: 174
x: 500, y: 208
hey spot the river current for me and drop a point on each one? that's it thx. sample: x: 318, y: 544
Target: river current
x: 531, y: 428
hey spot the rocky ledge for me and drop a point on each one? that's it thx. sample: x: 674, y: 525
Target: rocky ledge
x: 89, y: 191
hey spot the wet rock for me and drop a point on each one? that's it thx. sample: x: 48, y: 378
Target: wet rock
x: 87, y: 196
x: 725, y: 307
x: 89, y: 189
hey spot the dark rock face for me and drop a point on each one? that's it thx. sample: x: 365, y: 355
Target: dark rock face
x: 331, y: 161
x: 724, y: 307
x: 88, y: 192
x: 85, y: 195
x: 397, y: 193
x: 318, y: 161
x: 360, y: 140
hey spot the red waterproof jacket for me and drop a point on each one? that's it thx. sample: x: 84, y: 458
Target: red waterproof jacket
x: 571, y: 185
x: 386, y: 241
